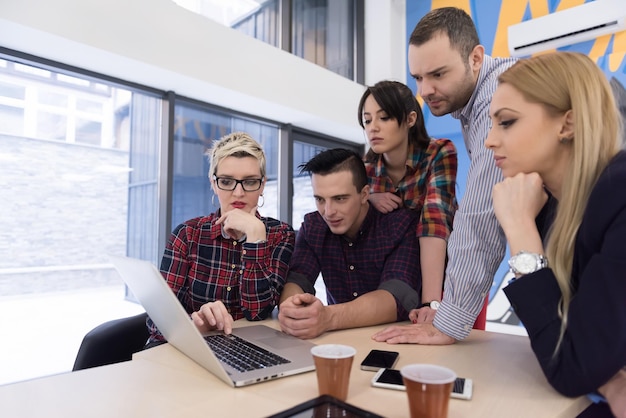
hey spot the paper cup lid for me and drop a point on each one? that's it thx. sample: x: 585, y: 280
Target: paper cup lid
x: 428, y: 373
x: 333, y: 351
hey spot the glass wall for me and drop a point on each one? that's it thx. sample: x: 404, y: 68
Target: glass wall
x: 323, y: 32
x: 303, y: 201
x: 77, y: 169
x: 327, y: 33
x: 262, y: 23
x: 81, y: 173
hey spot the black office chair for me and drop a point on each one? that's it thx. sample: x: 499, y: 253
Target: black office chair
x: 112, y: 342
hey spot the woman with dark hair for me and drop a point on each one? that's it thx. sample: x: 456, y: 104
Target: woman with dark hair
x: 406, y: 168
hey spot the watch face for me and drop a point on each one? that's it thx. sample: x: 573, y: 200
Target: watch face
x: 434, y: 305
x: 525, y: 263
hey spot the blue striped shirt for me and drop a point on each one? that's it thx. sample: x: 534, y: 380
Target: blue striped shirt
x: 477, y: 244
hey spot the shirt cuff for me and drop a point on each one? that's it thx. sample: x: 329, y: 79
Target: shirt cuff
x: 453, y: 321
x: 408, y: 297
x: 255, y: 250
x: 533, y: 297
x: 302, y: 281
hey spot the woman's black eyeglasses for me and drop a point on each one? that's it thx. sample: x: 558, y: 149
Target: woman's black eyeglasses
x: 229, y: 184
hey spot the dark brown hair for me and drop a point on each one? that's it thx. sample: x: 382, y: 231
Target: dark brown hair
x: 397, y: 101
x: 454, y: 22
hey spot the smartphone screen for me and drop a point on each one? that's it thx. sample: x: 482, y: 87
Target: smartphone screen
x: 392, y: 379
x: 379, y: 359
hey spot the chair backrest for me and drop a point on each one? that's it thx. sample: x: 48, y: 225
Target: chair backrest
x: 112, y: 342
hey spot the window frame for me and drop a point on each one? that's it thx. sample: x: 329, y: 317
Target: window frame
x: 288, y: 134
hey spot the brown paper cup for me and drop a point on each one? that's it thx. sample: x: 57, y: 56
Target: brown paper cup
x: 428, y: 389
x: 333, y: 363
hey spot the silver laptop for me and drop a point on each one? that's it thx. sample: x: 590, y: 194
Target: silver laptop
x: 287, y: 354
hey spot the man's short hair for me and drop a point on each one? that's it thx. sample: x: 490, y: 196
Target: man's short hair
x: 452, y: 21
x: 335, y: 160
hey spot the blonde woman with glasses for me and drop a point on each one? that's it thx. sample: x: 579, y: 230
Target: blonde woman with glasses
x: 562, y: 206
x: 232, y: 263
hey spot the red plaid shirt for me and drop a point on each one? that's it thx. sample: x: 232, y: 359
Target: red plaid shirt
x: 427, y: 187
x: 201, y: 265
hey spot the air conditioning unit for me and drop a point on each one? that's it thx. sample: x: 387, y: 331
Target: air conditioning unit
x: 567, y: 27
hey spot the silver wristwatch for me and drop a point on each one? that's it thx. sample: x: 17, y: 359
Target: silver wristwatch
x: 526, y: 263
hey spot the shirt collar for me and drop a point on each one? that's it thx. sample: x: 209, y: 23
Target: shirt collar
x: 411, y: 162
x: 466, y: 111
x: 365, y: 226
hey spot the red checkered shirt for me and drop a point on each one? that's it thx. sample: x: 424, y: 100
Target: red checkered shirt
x: 201, y: 265
x: 427, y: 187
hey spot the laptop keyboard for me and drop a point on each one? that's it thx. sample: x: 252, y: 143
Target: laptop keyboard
x: 242, y: 355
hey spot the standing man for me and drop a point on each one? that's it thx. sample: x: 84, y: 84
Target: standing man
x: 455, y: 76
x: 369, y: 261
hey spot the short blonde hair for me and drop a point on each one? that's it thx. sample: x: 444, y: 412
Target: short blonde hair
x: 236, y: 144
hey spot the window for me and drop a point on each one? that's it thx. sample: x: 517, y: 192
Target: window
x: 79, y: 181
x: 69, y: 159
x: 302, y: 191
x: 327, y: 33
x: 88, y: 168
x: 323, y: 32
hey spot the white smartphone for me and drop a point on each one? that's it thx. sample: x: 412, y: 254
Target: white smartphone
x: 392, y: 379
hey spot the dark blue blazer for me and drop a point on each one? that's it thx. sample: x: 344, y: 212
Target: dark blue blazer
x: 594, y: 345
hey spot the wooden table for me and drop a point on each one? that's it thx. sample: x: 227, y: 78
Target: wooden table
x: 163, y: 382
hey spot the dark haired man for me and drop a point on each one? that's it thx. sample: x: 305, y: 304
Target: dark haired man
x: 369, y: 261
x: 454, y: 76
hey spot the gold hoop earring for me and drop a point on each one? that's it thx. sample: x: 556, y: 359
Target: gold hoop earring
x: 262, y: 202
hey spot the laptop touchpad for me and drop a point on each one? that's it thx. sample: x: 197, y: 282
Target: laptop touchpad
x: 268, y: 336
x: 280, y: 340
